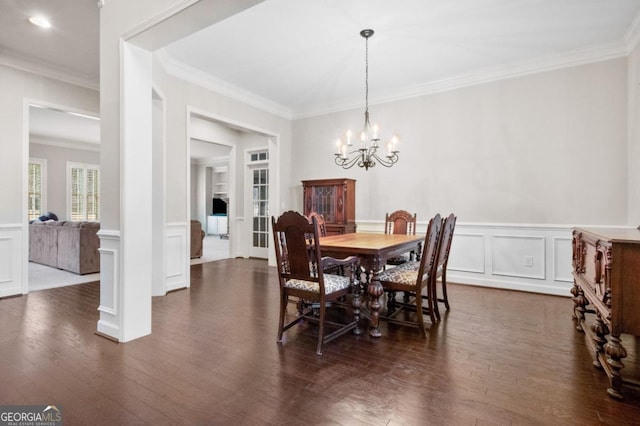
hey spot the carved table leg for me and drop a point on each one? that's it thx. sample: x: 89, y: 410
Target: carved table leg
x: 375, y: 291
x: 367, y: 279
x: 615, y: 352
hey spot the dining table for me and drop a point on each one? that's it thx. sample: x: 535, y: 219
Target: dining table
x: 373, y: 249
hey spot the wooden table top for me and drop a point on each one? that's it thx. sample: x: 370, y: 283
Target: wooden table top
x: 360, y: 243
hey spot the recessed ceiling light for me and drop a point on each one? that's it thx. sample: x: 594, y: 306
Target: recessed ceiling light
x: 40, y: 21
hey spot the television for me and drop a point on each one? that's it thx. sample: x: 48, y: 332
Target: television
x: 219, y: 207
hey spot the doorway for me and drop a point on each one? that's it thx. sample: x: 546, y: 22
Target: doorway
x: 61, y: 145
x: 210, y: 197
x: 243, y: 141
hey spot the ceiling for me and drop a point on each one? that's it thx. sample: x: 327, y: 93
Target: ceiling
x: 48, y: 125
x: 304, y: 57
x: 307, y: 56
x: 68, y: 50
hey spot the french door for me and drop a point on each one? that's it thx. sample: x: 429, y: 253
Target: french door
x: 259, y: 239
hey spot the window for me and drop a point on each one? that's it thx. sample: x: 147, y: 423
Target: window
x: 83, y: 199
x: 259, y: 156
x: 260, y: 207
x: 37, y: 186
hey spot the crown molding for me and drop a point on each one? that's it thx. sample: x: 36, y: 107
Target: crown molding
x: 211, y: 162
x: 199, y: 78
x: 632, y: 35
x: 157, y: 19
x: 20, y: 62
x: 63, y: 143
x: 534, y: 66
x: 519, y: 69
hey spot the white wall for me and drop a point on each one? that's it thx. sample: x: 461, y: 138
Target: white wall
x: 519, y: 161
x: 57, y: 158
x: 183, y: 97
x: 548, y: 148
x: 18, y: 88
x: 633, y: 154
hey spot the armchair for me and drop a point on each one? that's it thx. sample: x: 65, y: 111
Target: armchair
x: 301, y: 274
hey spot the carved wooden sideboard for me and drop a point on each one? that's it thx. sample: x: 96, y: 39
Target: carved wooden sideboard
x: 335, y: 199
x: 606, y: 272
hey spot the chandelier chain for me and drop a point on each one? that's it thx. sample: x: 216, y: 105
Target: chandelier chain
x: 366, y: 76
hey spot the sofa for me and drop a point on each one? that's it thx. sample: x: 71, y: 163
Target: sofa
x: 197, y: 235
x: 72, y: 246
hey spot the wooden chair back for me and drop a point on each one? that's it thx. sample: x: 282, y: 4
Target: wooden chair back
x: 448, y: 227
x: 322, y: 228
x: 400, y: 222
x: 430, y: 249
x: 297, y: 247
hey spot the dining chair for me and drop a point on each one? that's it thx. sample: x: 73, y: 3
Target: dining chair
x: 448, y: 227
x: 322, y: 228
x: 414, y: 280
x: 301, y: 274
x: 400, y: 222
x: 322, y: 231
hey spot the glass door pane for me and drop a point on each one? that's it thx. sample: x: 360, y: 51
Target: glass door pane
x: 260, y: 212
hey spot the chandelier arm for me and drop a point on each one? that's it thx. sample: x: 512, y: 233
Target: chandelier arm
x: 347, y: 162
x: 388, y: 161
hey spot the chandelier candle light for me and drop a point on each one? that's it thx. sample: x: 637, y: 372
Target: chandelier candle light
x: 367, y: 155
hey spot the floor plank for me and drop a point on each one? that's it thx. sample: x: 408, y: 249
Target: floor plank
x: 497, y: 358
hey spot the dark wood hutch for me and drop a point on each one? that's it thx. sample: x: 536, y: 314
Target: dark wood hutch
x: 335, y: 199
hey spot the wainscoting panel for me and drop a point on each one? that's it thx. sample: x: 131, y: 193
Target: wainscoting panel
x: 110, y: 282
x: 562, y: 249
x: 468, y: 254
x: 534, y: 258
x: 177, y: 256
x: 109, y: 274
x: 518, y: 256
x: 11, y: 260
x: 238, y: 242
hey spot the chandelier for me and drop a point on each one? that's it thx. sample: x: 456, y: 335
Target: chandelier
x: 367, y: 155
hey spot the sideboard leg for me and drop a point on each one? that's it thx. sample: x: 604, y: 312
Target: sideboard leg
x: 580, y: 305
x: 615, y: 352
x: 600, y: 330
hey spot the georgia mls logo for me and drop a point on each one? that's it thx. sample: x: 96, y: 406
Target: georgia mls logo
x: 54, y: 410
x: 30, y: 415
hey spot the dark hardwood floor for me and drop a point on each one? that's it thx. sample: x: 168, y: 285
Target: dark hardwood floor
x: 497, y: 358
